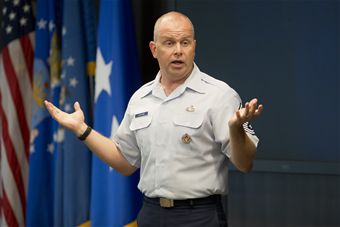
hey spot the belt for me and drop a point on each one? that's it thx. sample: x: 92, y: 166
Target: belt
x: 167, y: 203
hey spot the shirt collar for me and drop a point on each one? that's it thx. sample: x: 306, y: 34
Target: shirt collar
x: 194, y: 82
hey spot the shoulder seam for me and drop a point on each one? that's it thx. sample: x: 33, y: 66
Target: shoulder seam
x: 148, y: 83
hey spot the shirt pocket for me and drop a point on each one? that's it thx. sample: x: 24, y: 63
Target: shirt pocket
x: 141, y: 128
x: 138, y: 123
x: 193, y: 121
x: 187, y: 135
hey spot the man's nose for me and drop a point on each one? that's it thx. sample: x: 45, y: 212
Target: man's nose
x: 178, y: 48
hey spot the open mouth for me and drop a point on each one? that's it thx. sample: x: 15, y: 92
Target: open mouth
x: 177, y: 62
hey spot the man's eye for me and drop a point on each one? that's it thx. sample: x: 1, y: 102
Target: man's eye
x: 185, y: 43
x: 168, y: 43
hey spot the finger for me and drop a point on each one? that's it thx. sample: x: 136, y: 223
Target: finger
x: 252, y: 107
x: 259, y: 110
x: 254, y: 100
x: 238, y: 114
x: 246, y: 109
x: 49, y: 106
x: 76, y: 106
x: 241, y: 115
x: 52, y: 109
x: 46, y: 102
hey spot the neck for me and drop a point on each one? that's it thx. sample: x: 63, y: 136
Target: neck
x: 169, y: 86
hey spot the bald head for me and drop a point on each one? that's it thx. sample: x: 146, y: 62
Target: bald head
x: 173, y: 17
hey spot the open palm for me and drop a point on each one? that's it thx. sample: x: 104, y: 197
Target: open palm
x: 72, y: 121
x: 252, y: 109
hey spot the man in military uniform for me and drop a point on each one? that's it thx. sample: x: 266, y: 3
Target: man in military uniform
x: 180, y: 130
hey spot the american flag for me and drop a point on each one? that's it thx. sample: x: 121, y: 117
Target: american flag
x: 16, y: 62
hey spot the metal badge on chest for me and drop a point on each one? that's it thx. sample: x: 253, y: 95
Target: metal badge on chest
x: 186, y: 138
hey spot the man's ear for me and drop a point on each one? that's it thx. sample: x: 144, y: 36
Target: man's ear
x: 153, y: 48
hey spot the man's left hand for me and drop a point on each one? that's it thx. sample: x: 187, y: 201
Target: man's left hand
x: 252, y: 109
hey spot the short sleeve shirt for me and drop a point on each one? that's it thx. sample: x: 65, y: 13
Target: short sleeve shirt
x: 180, y: 142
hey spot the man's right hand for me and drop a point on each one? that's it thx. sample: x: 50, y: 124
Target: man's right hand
x: 73, y: 121
x: 102, y: 146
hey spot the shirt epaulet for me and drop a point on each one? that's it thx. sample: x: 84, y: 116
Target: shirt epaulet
x: 144, y: 90
x: 148, y: 84
x: 217, y: 83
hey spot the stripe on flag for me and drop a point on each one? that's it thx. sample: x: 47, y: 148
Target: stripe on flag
x: 16, y: 60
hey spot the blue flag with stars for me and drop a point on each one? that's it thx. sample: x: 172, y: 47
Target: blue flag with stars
x: 60, y: 165
x: 44, y: 132
x: 115, y: 199
x: 73, y: 161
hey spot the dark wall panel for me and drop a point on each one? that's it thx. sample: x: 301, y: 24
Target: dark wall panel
x: 283, y: 200
x: 286, y: 53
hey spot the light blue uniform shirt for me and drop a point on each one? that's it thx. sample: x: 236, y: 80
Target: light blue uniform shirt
x: 180, y: 141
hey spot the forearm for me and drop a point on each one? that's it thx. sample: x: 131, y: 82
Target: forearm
x: 103, y: 147
x: 243, y: 150
x: 106, y: 150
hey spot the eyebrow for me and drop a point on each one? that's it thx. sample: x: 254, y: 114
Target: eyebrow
x: 171, y: 37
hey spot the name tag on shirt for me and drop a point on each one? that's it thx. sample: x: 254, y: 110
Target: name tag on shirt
x: 141, y: 114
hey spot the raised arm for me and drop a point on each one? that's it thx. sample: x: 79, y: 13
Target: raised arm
x: 243, y: 149
x: 102, y: 146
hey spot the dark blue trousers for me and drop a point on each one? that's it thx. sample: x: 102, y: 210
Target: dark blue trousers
x: 207, y: 214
